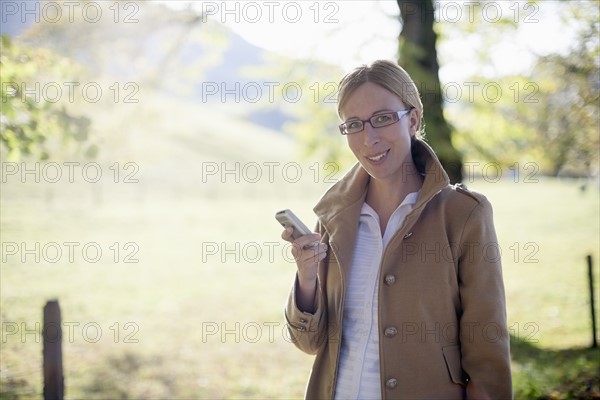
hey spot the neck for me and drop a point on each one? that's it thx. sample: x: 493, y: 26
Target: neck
x: 381, y: 192
x: 384, y: 196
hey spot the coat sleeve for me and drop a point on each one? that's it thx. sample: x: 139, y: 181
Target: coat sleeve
x: 484, y: 336
x: 307, y: 331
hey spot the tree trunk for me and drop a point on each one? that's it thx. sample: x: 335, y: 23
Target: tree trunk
x: 418, y: 56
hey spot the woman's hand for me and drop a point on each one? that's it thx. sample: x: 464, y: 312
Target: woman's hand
x: 307, y: 252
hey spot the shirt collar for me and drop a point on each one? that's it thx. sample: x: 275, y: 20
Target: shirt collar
x: 410, y: 199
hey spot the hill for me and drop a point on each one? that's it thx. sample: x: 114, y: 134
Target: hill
x: 175, y: 52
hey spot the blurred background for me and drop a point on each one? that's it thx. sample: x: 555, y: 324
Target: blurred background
x: 146, y: 146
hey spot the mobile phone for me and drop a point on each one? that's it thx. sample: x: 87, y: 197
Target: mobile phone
x: 287, y: 218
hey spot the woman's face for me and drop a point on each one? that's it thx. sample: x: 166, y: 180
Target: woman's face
x: 383, y: 152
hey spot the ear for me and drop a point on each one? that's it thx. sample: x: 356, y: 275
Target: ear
x: 414, y: 122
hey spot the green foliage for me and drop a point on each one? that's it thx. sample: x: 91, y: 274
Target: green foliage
x: 481, y: 24
x: 116, y: 57
x: 485, y: 122
x: 549, y: 117
x: 35, y: 119
x: 554, y: 374
x: 569, y: 98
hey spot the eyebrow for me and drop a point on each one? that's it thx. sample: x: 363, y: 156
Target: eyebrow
x: 372, y: 115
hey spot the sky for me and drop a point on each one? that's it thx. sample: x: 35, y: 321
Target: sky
x: 349, y: 33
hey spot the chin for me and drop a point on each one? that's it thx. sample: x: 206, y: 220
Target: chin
x: 376, y: 173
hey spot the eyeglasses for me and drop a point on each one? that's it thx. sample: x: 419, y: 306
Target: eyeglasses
x: 376, y: 121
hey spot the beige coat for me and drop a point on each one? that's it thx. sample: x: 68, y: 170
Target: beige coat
x: 442, y: 319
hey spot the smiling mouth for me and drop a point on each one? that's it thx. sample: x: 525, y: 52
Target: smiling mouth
x: 378, y: 157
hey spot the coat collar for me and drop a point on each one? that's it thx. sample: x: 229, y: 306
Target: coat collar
x: 339, y: 208
x: 349, y: 193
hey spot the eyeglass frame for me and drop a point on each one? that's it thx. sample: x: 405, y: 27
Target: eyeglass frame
x: 370, y: 121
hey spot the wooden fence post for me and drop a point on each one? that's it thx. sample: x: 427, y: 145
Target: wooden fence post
x: 592, y: 305
x: 53, y: 368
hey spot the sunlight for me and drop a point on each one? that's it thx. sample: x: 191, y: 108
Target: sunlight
x: 349, y: 33
x: 330, y: 31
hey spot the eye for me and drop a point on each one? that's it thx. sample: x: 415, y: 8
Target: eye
x: 382, y: 119
x: 353, y: 125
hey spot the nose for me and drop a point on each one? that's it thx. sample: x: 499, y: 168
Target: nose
x: 371, y: 137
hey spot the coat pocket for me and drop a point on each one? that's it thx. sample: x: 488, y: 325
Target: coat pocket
x: 452, y: 358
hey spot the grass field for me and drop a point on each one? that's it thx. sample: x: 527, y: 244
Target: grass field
x: 186, y: 298
x: 200, y: 314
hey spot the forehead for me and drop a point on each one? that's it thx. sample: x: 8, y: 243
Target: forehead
x: 370, y: 98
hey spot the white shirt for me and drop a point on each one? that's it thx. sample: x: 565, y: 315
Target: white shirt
x: 358, y: 370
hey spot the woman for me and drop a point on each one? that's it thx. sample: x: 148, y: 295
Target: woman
x: 403, y: 296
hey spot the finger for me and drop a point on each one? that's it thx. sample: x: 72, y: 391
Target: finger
x: 302, y: 253
x: 311, y: 254
x: 287, y: 233
x: 306, y: 240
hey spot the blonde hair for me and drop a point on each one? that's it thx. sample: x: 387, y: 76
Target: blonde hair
x: 391, y: 77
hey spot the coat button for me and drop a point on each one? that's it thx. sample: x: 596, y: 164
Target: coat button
x: 303, y: 321
x: 409, y: 234
x: 390, y: 331
x: 390, y: 279
x: 301, y: 329
x: 391, y: 383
